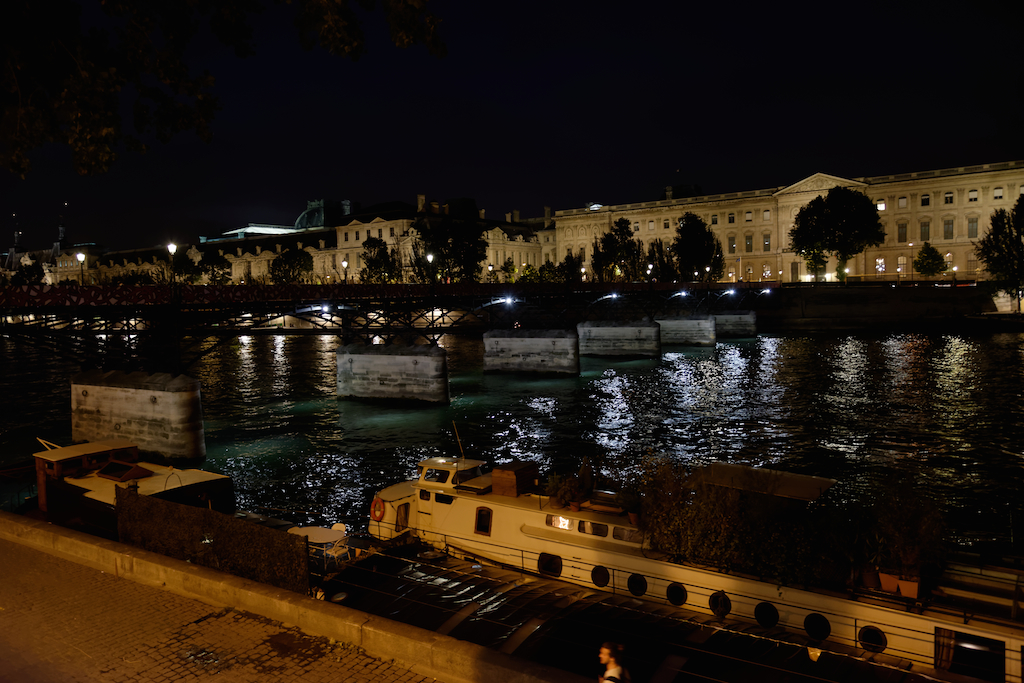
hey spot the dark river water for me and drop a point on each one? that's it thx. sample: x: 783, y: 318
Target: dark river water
x: 853, y: 407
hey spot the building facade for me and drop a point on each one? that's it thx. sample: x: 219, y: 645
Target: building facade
x: 948, y: 208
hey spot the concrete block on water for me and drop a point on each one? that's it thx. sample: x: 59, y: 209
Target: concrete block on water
x: 556, y: 351
x: 736, y: 324
x: 417, y: 373
x: 162, y: 413
x: 691, y: 331
x: 612, y: 338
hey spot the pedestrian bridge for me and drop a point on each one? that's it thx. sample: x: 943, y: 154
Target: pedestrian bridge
x: 126, y: 327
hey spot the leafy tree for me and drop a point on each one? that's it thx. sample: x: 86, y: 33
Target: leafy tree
x: 843, y: 223
x: 1002, y: 249
x: 381, y: 266
x: 698, y: 250
x: 530, y: 274
x: 457, y: 243
x: 293, y: 266
x: 663, y: 262
x: 509, y: 270
x: 929, y: 261
x: 549, y: 272
x: 28, y: 274
x: 570, y: 270
x: 133, y: 278
x: 185, y: 269
x: 216, y: 267
x: 617, y: 256
x: 63, y: 81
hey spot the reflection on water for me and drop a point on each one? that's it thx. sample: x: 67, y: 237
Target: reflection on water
x: 852, y: 407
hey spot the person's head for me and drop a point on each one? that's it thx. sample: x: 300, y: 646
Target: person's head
x: 610, y: 652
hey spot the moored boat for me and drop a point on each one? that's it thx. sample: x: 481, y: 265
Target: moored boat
x: 501, y: 517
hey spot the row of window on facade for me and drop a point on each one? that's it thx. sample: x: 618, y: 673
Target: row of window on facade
x: 748, y: 243
x: 947, y: 198
x: 925, y: 230
x: 904, y: 266
x: 380, y: 234
x: 748, y: 217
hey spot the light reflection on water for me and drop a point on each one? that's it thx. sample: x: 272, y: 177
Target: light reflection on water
x: 852, y: 407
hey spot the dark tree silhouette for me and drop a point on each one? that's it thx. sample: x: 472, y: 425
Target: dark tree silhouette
x: 293, y: 266
x: 380, y: 265
x: 929, y: 261
x: 65, y: 82
x: 1002, y: 249
x: 843, y: 223
x: 698, y: 250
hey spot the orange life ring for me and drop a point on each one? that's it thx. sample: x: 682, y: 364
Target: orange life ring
x: 377, y: 510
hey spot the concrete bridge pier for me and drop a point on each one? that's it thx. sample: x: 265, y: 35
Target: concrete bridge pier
x: 611, y: 338
x: 736, y: 324
x: 162, y: 413
x: 695, y: 330
x: 416, y: 373
x: 545, y: 351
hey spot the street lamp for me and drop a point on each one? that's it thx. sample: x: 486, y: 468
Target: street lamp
x: 430, y: 266
x: 954, y: 276
x: 81, y: 267
x: 171, y: 248
x: 344, y: 267
x: 490, y: 272
x: 583, y: 273
x: 911, y: 260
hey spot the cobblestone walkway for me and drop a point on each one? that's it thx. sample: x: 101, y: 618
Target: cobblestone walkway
x: 63, y: 622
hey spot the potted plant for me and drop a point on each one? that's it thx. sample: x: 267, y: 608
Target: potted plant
x: 552, y: 490
x: 629, y: 500
x: 910, y: 530
x: 570, y: 492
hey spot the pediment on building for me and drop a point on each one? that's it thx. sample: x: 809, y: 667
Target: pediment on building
x: 819, y: 182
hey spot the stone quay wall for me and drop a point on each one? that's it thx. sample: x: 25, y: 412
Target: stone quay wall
x: 162, y: 413
x: 608, y: 338
x: 691, y: 331
x: 554, y: 351
x: 415, y: 373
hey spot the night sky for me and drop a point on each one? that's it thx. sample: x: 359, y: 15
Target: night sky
x: 557, y: 103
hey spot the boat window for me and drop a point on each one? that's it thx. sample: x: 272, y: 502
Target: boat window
x: 767, y: 615
x: 549, y: 565
x: 437, y: 476
x: 483, y: 521
x: 402, y: 521
x: 559, y: 522
x: 443, y: 498
x: 463, y: 476
x: 817, y: 626
x: 623, y: 534
x: 600, y: 576
x: 593, y: 529
x: 637, y: 584
x: 419, y: 471
x: 424, y: 494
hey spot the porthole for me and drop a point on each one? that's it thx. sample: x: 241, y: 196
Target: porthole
x: 637, y: 584
x: 766, y: 614
x: 549, y: 565
x: 676, y: 594
x: 85, y: 392
x: 720, y: 604
x: 817, y: 626
x: 600, y: 576
x: 872, y: 639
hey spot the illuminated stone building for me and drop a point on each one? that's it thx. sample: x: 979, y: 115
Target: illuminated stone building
x: 948, y: 208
